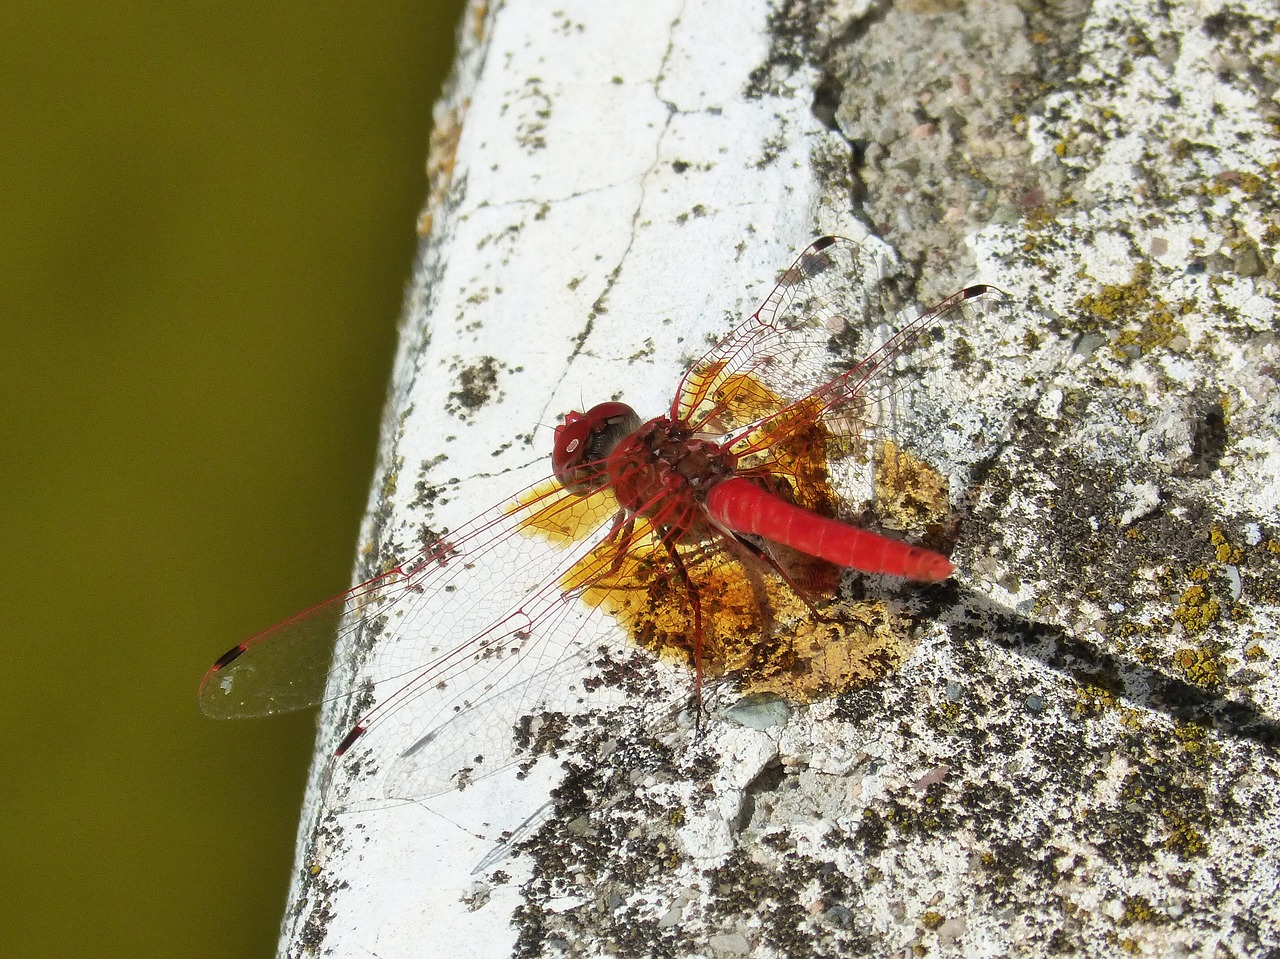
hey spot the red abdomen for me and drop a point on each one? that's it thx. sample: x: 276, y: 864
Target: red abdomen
x: 744, y: 507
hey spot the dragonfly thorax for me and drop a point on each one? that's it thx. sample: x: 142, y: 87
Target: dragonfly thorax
x: 658, y: 469
x: 663, y: 471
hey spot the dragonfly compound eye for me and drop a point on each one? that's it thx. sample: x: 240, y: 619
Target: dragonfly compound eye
x: 584, y: 442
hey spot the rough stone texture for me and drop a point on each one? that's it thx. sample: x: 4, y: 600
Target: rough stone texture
x: 1080, y: 754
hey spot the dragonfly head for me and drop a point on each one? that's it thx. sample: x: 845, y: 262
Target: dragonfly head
x: 584, y: 442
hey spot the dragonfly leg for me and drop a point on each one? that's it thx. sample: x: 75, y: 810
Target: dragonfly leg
x: 762, y: 554
x: 695, y: 603
x: 622, y: 529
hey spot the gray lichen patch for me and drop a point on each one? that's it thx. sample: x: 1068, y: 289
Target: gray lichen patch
x: 477, y: 384
x: 312, y: 909
x: 934, y: 100
x: 613, y: 837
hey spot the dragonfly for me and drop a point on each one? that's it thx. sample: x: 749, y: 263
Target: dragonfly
x: 708, y: 534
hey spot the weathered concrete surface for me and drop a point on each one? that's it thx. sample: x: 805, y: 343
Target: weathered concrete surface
x: 1079, y: 756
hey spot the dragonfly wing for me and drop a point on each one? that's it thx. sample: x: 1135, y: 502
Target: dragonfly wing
x: 445, y: 652
x: 287, y: 667
x: 834, y: 287
x: 490, y: 636
x: 441, y: 734
x: 786, y: 367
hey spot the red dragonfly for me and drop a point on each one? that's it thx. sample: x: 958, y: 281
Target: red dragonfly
x: 696, y: 531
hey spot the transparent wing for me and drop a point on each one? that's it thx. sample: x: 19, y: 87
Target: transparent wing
x: 786, y: 368
x: 476, y: 625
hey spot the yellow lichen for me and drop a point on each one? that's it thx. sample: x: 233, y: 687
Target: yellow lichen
x: 931, y: 919
x: 1200, y: 666
x: 1197, y: 608
x: 1194, y: 738
x: 1038, y: 218
x: 1223, y: 550
x: 1116, y: 302
x: 1136, y: 909
x: 1251, y: 183
x: 1092, y: 699
x: 1131, y: 718
x: 1120, y: 299
x: 1185, y: 839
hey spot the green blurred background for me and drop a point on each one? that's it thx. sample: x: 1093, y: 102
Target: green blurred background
x: 209, y: 219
